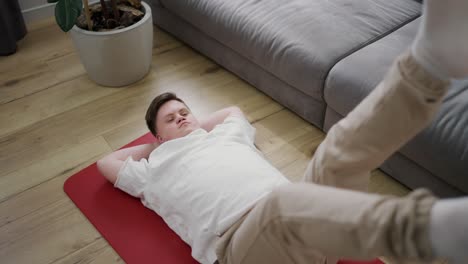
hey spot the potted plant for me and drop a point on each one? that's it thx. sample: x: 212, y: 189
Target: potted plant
x: 114, y: 39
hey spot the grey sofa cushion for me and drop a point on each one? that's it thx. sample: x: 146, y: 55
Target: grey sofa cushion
x: 442, y: 148
x: 305, y: 106
x: 297, y: 40
x: 404, y: 169
x: 355, y: 76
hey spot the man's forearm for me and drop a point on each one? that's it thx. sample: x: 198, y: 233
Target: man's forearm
x: 218, y: 117
x: 110, y: 165
x: 136, y: 152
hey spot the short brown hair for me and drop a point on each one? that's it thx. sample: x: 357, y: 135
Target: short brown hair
x: 154, y: 107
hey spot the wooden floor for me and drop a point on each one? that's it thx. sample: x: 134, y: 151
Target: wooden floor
x: 54, y: 121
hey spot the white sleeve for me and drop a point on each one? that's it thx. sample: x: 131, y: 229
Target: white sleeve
x: 132, y: 177
x: 238, y: 127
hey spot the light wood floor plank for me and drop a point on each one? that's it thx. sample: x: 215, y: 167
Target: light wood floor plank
x: 30, y: 78
x: 49, y: 167
x: 123, y: 135
x: 26, y: 216
x: 66, y: 67
x: 381, y: 183
x: 42, y: 43
x: 96, y: 252
x: 46, y: 235
x: 41, y: 183
x: 288, y: 142
x: 282, y: 128
x: 48, y: 103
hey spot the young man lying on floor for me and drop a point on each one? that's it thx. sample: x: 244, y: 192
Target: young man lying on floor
x: 209, y: 183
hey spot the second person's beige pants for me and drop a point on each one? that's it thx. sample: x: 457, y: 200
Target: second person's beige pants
x: 304, y: 222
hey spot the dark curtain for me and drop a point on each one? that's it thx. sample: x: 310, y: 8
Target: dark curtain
x: 12, y: 27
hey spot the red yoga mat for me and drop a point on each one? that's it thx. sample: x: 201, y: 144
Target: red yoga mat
x: 136, y: 233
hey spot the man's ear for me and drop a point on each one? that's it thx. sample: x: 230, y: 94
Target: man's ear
x: 160, y: 139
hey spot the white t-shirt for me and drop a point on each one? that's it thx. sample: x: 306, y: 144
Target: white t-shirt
x: 202, y: 183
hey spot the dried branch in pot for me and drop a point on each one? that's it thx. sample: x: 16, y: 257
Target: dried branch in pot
x: 130, y: 17
x: 119, y: 16
x: 81, y: 22
x: 134, y: 3
x: 135, y: 12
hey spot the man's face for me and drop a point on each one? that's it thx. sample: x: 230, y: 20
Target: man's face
x: 174, y: 120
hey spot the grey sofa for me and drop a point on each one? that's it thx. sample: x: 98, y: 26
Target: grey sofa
x: 320, y: 58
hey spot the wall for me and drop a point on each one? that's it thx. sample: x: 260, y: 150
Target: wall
x: 34, y: 10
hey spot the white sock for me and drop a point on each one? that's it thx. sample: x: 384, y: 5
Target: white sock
x: 449, y: 229
x: 441, y: 45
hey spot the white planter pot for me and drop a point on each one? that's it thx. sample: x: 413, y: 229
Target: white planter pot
x: 119, y: 57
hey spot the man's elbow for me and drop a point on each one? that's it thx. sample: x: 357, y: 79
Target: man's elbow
x: 104, y: 166
x: 100, y: 165
x: 235, y: 111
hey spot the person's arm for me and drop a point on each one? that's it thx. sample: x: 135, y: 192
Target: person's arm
x: 219, y: 116
x: 109, y: 166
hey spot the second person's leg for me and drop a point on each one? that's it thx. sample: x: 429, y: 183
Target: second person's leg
x: 402, y: 104
x: 399, y: 107
x: 302, y: 223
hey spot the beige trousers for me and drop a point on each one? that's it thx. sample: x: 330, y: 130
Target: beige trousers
x: 304, y: 222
